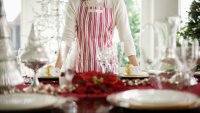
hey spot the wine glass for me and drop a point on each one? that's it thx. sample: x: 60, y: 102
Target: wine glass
x: 107, y: 58
x: 152, y: 44
x: 34, y: 65
x: 34, y: 60
x: 103, y: 57
x: 187, y: 56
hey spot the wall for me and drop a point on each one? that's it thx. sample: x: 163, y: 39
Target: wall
x: 165, y: 8
x: 158, y: 10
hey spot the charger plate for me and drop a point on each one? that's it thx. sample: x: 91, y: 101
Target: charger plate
x: 20, y: 102
x: 153, y: 99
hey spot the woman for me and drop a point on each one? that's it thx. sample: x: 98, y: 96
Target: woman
x: 91, y: 24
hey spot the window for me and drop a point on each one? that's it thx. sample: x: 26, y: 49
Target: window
x: 184, y: 7
x: 13, y: 10
x: 133, y: 10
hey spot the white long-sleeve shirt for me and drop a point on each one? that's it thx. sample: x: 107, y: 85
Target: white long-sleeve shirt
x: 120, y: 21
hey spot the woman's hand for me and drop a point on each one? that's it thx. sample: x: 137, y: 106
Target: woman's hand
x: 133, y: 60
x: 59, y: 61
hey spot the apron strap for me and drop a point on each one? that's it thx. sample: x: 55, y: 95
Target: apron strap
x: 82, y: 1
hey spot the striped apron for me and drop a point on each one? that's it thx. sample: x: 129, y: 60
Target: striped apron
x: 94, y: 29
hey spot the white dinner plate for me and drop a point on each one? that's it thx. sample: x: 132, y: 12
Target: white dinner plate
x: 15, y: 102
x: 197, y: 73
x: 154, y: 99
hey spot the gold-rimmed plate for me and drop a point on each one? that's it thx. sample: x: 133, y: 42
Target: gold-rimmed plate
x: 139, y: 76
x: 21, y: 102
x: 153, y: 99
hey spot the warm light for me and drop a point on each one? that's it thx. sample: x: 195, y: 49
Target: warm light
x: 12, y: 9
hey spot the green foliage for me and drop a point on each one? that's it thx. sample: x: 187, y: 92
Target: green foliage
x: 192, y: 28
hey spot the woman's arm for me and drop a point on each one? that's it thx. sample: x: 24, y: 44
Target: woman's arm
x: 59, y: 61
x: 69, y: 32
x: 125, y: 35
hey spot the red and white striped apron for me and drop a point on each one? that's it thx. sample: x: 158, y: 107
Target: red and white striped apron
x: 94, y: 29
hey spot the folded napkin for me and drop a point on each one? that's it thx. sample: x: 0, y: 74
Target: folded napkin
x: 49, y: 71
x: 132, y: 70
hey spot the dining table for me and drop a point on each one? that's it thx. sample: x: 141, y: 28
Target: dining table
x: 90, y: 103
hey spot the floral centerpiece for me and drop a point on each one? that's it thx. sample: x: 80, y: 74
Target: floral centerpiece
x: 97, y: 83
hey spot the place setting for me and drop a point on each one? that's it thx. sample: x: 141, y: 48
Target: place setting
x: 146, y: 99
x: 32, y: 102
x: 131, y: 72
x: 99, y: 56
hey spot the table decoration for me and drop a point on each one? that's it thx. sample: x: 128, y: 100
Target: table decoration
x: 89, y: 84
x: 46, y: 89
x: 97, y: 83
x: 34, y: 55
x: 136, y: 82
x: 9, y: 72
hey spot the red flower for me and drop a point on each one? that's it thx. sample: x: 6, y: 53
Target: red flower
x: 77, y: 79
x: 97, y: 83
x: 85, y: 76
x: 110, y: 79
x: 80, y: 89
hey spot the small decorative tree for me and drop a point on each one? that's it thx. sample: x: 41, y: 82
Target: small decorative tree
x: 192, y: 28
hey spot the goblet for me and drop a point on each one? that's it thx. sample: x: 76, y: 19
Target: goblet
x: 34, y: 65
x: 34, y: 59
x: 103, y: 57
x: 152, y: 42
x: 107, y: 57
x: 187, y: 56
x: 34, y: 55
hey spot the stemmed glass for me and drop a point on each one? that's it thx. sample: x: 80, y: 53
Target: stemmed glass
x: 187, y: 56
x: 34, y: 63
x: 152, y: 46
x: 107, y: 58
x: 103, y: 57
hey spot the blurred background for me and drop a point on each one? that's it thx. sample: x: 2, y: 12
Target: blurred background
x: 49, y: 19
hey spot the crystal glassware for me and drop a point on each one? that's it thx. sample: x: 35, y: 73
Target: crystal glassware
x: 103, y: 57
x: 34, y: 55
x: 107, y: 58
x: 152, y: 42
x: 34, y: 66
x: 187, y: 56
